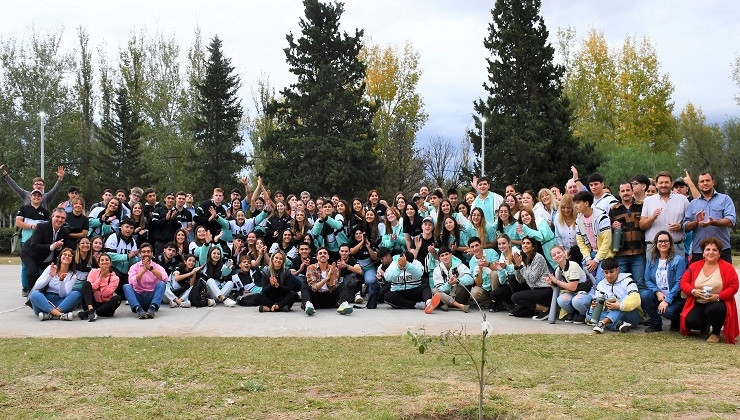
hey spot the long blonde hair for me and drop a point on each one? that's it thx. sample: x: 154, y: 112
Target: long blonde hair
x: 566, y: 201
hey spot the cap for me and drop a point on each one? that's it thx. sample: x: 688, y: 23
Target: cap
x: 73, y: 189
x: 170, y: 194
x: 679, y: 182
x: 416, y: 196
x: 37, y: 192
x: 428, y: 219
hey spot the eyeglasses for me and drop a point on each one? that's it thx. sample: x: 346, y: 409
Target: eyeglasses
x: 664, y: 241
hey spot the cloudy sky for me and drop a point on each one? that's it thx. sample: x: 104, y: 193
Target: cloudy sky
x: 696, y: 41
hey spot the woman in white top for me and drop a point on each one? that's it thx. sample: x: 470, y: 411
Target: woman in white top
x: 565, y: 223
x: 52, y: 296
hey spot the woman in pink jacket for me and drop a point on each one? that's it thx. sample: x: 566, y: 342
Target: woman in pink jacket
x: 103, y: 282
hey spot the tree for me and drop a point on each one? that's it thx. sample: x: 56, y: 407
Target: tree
x: 261, y: 125
x: 84, y: 86
x: 443, y: 161
x: 391, y: 79
x: 528, y: 137
x: 121, y: 162
x: 701, y: 146
x: 218, y: 143
x: 324, y: 140
x: 736, y: 76
x: 731, y: 146
x: 618, y: 97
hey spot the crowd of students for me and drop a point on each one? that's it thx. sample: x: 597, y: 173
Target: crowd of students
x: 583, y: 256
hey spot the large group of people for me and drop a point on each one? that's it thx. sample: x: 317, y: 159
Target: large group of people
x: 581, y: 255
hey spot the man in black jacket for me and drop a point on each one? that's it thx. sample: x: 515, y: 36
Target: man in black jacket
x: 164, y: 224
x: 46, y: 242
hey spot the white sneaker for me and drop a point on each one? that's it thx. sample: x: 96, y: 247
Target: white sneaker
x: 358, y: 298
x: 228, y: 302
x: 69, y: 316
x: 173, y: 304
x: 345, y: 308
x: 185, y: 304
x: 309, y: 309
x: 45, y: 316
x: 211, y: 302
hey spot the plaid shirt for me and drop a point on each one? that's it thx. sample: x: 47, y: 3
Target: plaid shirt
x: 313, y: 275
x: 634, y: 238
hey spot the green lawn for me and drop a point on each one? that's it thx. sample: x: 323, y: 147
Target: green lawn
x: 537, y: 376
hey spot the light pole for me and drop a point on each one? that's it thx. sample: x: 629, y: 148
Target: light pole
x: 42, y: 114
x: 482, y: 146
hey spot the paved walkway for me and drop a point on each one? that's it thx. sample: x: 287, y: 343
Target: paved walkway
x: 17, y: 320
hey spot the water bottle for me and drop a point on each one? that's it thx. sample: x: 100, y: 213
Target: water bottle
x: 596, y: 315
x: 617, y: 238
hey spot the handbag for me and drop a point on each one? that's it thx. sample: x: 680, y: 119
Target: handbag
x: 15, y: 242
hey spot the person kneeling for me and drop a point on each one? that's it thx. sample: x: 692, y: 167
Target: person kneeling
x: 322, y: 288
x: 622, y: 299
x: 146, y: 284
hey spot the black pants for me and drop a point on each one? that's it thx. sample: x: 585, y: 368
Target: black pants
x: 502, y: 295
x: 701, y: 314
x: 281, y: 296
x: 526, y: 300
x: 107, y: 308
x: 725, y: 254
x: 33, y: 270
x: 122, y: 279
x: 409, y: 297
x: 353, y: 283
x: 324, y: 300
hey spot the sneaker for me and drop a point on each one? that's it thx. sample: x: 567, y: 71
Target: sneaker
x: 420, y: 305
x: 541, y: 316
x: 568, y: 319
x: 309, y: 309
x: 211, y: 302
x: 358, y: 298
x: 432, y: 303
x: 185, y: 304
x: 91, y: 315
x: 624, y: 327
x: 83, y: 315
x: 466, y: 308
x: 24, y: 292
x: 445, y: 307
x: 713, y: 338
x: 125, y: 302
x: 675, y: 325
x: 173, y: 304
x: 578, y: 318
x: 654, y: 328
x: 140, y: 312
x: 345, y: 308
x: 229, y: 302
x: 68, y: 316
x: 45, y: 316
x: 150, y: 313
x: 599, y: 328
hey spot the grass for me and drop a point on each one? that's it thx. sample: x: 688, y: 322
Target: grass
x: 615, y: 376
x: 8, y: 259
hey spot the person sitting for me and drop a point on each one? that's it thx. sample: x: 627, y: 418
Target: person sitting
x: 572, y: 281
x: 146, y: 284
x: 215, y: 273
x: 710, y: 285
x: 52, y: 296
x: 322, y: 288
x: 276, y: 294
x: 182, y: 282
x: 663, y: 273
x: 103, y: 283
x: 407, y: 290
x: 622, y: 299
x: 450, y: 279
x: 531, y: 268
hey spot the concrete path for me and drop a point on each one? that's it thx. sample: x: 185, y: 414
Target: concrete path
x: 17, y: 320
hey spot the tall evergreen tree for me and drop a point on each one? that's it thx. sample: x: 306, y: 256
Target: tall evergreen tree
x: 120, y: 163
x: 324, y: 140
x: 528, y: 140
x: 218, y: 143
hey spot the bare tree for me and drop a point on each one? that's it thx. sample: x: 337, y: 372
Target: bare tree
x: 444, y: 161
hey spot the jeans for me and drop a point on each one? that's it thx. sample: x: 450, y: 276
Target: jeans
x: 599, y: 273
x: 578, y: 303
x: 650, y: 305
x: 635, y: 265
x: 45, y: 302
x: 147, y: 300
x: 182, y: 293
x: 221, y: 288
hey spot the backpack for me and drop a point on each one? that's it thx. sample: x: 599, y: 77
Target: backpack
x: 199, y: 294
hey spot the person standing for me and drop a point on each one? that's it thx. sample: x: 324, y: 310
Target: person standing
x: 664, y: 211
x: 38, y: 184
x: 26, y: 219
x: 626, y: 216
x: 712, y: 214
x: 44, y: 245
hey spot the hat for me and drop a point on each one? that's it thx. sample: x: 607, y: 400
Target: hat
x: 73, y: 189
x: 383, y: 251
x: 170, y: 194
x: 37, y: 192
x: 679, y: 183
x: 428, y: 219
x: 416, y: 196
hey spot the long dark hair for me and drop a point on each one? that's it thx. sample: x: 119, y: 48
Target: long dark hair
x: 536, y: 249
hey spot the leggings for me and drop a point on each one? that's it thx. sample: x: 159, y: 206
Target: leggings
x: 701, y: 314
x: 525, y: 301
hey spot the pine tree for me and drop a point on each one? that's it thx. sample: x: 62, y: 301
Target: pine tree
x: 528, y: 140
x: 120, y: 163
x: 218, y: 142
x: 324, y: 140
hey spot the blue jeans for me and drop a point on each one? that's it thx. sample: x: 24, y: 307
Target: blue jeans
x: 578, y: 303
x: 147, y: 300
x: 45, y: 302
x: 635, y: 265
x: 599, y: 274
x: 633, y: 317
x: 650, y: 305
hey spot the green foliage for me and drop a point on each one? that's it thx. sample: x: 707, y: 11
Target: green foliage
x: 731, y: 148
x: 218, y: 154
x: 528, y: 139
x: 623, y: 162
x: 324, y: 139
x: 6, y: 234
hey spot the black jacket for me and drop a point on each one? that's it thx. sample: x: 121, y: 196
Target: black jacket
x: 37, y: 246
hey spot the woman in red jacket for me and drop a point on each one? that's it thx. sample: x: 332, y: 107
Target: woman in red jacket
x: 710, y: 286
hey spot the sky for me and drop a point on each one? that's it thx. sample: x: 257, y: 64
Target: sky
x: 696, y: 41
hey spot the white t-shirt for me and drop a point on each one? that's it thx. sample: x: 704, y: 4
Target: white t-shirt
x: 661, y: 277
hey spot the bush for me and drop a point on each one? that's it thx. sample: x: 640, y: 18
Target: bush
x: 735, y: 241
x: 6, y: 234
